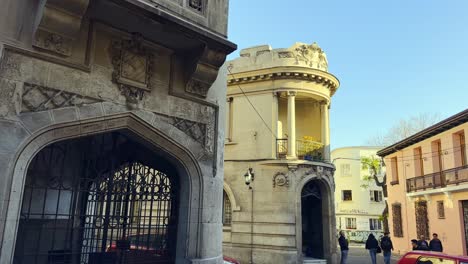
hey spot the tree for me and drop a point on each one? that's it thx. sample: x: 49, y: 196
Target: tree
x: 404, y: 128
x: 374, y: 166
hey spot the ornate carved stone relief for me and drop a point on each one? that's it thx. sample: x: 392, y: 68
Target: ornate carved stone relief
x: 133, y: 65
x: 312, y: 55
x: 59, y: 25
x: 316, y: 170
x: 39, y: 98
x: 280, y: 179
x: 197, y: 5
x: 202, y: 133
x: 205, y: 72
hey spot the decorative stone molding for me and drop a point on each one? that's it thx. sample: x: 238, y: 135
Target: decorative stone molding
x: 280, y: 179
x: 40, y: 98
x: 312, y: 55
x: 205, y: 71
x: 59, y: 25
x: 203, y: 133
x: 133, y: 65
x: 329, y: 83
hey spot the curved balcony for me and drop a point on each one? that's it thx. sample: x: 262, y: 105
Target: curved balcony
x: 306, y: 149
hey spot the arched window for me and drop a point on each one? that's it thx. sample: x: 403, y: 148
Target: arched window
x: 227, y: 211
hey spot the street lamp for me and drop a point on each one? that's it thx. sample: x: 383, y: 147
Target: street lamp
x: 249, y: 177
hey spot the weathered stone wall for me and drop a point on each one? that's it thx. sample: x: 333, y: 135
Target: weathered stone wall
x: 47, y: 96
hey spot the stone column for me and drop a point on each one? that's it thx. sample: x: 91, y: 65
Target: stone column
x: 325, y: 107
x: 292, y: 124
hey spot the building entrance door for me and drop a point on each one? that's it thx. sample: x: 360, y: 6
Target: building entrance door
x: 465, y: 221
x: 312, y: 230
x: 100, y: 199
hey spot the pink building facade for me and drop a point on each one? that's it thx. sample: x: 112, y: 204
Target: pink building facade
x: 427, y: 178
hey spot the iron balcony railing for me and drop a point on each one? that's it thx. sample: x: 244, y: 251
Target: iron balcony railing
x: 305, y: 149
x: 435, y: 180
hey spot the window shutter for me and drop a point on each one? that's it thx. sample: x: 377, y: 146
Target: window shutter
x: 371, y: 193
x: 380, y: 196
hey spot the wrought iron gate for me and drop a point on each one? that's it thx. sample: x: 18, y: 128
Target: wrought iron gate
x: 422, y: 221
x: 123, y: 214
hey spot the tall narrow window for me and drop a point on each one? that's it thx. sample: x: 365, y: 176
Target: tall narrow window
x: 422, y: 220
x: 227, y: 212
x: 437, y: 156
x: 229, y: 119
x: 418, y: 162
x: 459, y: 149
x: 397, y: 220
x: 394, y: 166
x: 440, y: 209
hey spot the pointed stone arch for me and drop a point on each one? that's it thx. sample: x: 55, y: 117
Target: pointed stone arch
x: 192, y: 233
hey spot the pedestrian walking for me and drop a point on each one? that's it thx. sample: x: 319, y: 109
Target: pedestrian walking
x: 387, y: 247
x: 373, y: 246
x: 435, y: 244
x: 344, y: 247
x: 422, y: 244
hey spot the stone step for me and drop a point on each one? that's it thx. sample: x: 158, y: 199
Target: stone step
x: 314, y: 261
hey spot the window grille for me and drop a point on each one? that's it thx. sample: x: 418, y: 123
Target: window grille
x: 422, y: 221
x: 227, y: 211
x: 397, y: 220
x: 440, y: 209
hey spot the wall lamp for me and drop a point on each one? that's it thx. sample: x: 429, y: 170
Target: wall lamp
x: 249, y: 177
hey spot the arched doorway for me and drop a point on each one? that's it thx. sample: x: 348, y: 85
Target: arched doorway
x: 105, y: 198
x: 312, y: 221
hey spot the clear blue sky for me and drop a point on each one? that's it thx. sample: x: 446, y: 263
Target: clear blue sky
x: 394, y: 58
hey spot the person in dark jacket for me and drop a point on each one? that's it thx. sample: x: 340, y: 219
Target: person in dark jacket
x: 344, y: 247
x: 387, y: 247
x: 422, y: 244
x: 372, y: 244
x: 435, y: 244
x: 414, y: 244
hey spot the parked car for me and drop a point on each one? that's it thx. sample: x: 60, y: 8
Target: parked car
x: 431, y: 257
x: 228, y: 260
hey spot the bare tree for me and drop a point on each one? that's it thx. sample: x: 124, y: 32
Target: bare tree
x: 404, y: 128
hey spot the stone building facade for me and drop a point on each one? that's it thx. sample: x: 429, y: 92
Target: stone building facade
x: 277, y: 129
x: 111, y: 144
x: 358, y: 203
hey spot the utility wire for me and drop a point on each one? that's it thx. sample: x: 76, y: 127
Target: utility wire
x: 256, y: 111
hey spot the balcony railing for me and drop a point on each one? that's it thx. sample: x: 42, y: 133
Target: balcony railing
x: 435, y: 180
x: 305, y: 149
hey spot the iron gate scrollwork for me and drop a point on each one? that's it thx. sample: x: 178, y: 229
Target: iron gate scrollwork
x: 123, y: 214
x: 422, y: 221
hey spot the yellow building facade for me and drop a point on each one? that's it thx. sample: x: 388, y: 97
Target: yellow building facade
x: 277, y: 129
x: 427, y: 178
x: 358, y: 203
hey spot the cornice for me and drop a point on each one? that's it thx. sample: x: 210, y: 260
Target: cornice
x: 317, y: 76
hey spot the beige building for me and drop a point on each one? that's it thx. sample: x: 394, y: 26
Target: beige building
x: 358, y: 203
x: 277, y: 124
x: 427, y: 178
x: 111, y: 134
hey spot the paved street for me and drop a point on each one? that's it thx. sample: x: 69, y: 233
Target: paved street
x: 358, y: 255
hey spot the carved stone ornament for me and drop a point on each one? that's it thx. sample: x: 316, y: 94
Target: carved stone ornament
x: 205, y: 72
x: 280, y: 179
x: 133, y: 64
x: 312, y: 55
x: 40, y: 98
x: 59, y: 25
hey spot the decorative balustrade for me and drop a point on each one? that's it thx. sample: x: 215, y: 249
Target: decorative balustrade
x: 305, y: 149
x: 435, y: 180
